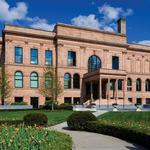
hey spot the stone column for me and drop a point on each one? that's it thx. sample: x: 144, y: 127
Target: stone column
x: 116, y: 90
x: 91, y: 91
x: 100, y: 90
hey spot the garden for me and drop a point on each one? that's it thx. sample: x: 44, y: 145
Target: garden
x: 25, y: 130
x: 130, y: 126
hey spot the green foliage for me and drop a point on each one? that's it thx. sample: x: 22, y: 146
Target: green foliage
x: 19, y: 103
x: 38, y: 119
x: 11, y: 122
x: 54, y: 117
x: 65, y: 106
x: 78, y: 120
x: 33, y: 138
x: 48, y: 105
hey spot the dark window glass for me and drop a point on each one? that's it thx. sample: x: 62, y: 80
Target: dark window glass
x: 119, y: 84
x: 94, y: 63
x: 48, y: 98
x: 112, y: 84
x: 67, y: 100
x: 139, y: 101
x: 18, y: 99
x: 48, y: 57
x: 147, y: 85
x: 48, y: 81
x: 34, y: 56
x: 147, y: 100
x: 115, y: 62
x: 18, y: 55
x: 71, y: 58
x: 34, y: 80
x: 130, y: 100
x: 129, y: 84
x: 67, y: 81
x: 76, y: 81
x: 18, y: 79
x: 76, y: 100
x: 138, y: 85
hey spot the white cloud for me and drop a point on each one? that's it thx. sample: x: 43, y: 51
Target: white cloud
x: 19, y: 13
x: 113, y: 13
x: 10, y: 14
x: 109, y: 16
x: 144, y: 42
x: 89, y: 21
x: 39, y: 23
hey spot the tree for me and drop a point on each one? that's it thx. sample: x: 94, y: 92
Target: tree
x: 5, y: 88
x: 51, y: 86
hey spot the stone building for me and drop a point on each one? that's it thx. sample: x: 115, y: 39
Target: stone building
x: 92, y: 64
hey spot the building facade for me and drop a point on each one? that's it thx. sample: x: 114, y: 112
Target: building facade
x: 92, y: 65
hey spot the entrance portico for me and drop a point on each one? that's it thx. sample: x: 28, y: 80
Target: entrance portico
x: 105, y: 87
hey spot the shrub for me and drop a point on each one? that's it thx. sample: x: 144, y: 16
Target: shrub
x: 19, y: 103
x: 11, y: 122
x: 48, y: 105
x: 78, y: 120
x: 65, y: 106
x: 38, y: 119
x: 122, y: 132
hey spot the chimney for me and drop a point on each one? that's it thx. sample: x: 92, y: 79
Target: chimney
x: 122, y: 26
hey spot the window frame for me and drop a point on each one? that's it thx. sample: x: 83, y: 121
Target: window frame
x: 69, y: 84
x: 75, y: 80
x: 73, y: 60
x: 51, y: 59
x: 34, y: 57
x: 31, y: 80
x: 18, y: 79
x: 115, y: 63
x: 19, y: 55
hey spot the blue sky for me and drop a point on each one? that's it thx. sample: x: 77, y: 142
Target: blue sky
x: 97, y: 14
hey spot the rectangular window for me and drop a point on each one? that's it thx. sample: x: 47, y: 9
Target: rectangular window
x: 48, y: 57
x: 34, y: 56
x: 76, y: 100
x: 18, y: 99
x: 119, y: 84
x: 130, y: 100
x: 147, y: 100
x: 18, y: 55
x: 67, y: 100
x: 139, y: 101
x: 71, y: 58
x: 115, y: 62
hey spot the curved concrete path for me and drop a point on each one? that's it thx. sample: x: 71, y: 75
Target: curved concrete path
x: 93, y: 141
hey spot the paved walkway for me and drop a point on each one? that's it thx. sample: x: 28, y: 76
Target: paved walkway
x: 94, y: 141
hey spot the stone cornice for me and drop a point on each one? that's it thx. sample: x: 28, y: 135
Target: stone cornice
x: 90, y: 41
x: 138, y: 49
x: 28, y: 34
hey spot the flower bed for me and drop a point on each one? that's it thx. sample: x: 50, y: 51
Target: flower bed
x: 33, y: 138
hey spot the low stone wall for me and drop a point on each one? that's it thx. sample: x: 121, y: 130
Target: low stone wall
x: 15, y: 107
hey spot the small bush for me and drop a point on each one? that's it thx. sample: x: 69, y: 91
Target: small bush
x: 78, y: 120
x: 19, y: 103
x: 38, y: 119
x: 125, y: 133
x: 48, y: 105
x: 65, y: 106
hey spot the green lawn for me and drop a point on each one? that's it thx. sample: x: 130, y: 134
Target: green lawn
x: 135, y: 120
x: 53, y: 117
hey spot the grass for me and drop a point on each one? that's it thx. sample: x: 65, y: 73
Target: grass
x: 33, y: 138
x: 54, y: 117
x: 138, y: 121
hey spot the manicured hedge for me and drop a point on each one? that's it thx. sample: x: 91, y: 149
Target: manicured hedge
x: 78, y: 120
x: 121, y: 132
x: 38, y: 119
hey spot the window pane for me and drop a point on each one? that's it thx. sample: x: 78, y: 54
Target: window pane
x: 67, y: 81
x: 18, y: 55
x: 71, y: 58
x: 18, y: 80
x: 34, y: 80
x: 119, y: 84
x: 34, y: 56
x: 115, y: 62
x: 48, y: 57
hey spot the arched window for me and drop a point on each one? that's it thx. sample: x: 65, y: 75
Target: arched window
x: 147, y: 85
x: 48, y: 81
x: 76, y: 81
x: 138, y: 85
x: 34, y: 80
x: 129, y: 84
x: 19, y: 79
x: 67, y: 81
x: 94, y: 63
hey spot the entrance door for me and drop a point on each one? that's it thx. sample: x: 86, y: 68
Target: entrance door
x: 34, y: 101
